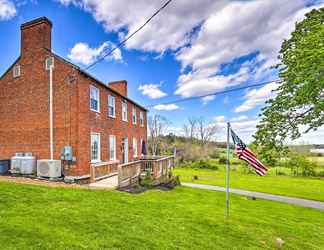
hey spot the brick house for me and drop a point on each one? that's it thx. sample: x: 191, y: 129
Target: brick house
x: 97, y: 120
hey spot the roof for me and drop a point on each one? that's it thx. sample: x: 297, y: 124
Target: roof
x: 36, y: 21
x: 95, y: 79
x: 13, y: 64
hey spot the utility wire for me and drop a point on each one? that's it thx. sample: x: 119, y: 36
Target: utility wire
x: 213, y: 94
x: 129, y: 37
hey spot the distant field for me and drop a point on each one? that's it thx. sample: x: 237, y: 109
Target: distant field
x: 308, y: 188
x: 33, y: 217
x: 318, y: 159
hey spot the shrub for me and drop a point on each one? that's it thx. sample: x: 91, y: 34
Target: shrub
x: 299, y: 165
x: 147, y: 181
x: 202, y: 164
x: 222, y: 160
x: 214, y: 154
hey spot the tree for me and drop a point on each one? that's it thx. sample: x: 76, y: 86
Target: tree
x: 157, y: 126
x: 190, y: 128
x: 299, y: 105
x: 206, y: 130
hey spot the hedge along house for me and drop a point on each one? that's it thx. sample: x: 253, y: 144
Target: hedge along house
x: 98, y: 121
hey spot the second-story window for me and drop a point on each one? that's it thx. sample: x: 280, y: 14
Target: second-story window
x: 111, y: 106
x: 94, y: 99
x: 16, y: 71
x: 124, y: 111
x: 134, y: 118
x: 141, y: 119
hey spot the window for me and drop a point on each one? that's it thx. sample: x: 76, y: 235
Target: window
x: 134, y: 115
x: 112, y: 147
x: 49, y: 62
x: 141, y: 119
x: 16, y: 71
x: 111, y: 106
x: 124, y: 111
x: 135, y: 150
x: 95, y: 147
x: 94, y: 99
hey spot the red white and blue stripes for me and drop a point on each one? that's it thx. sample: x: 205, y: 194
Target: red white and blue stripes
x: 245, y: 154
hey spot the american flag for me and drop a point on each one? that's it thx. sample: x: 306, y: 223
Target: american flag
x: 245, y: 154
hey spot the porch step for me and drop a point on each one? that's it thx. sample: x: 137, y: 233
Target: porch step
x: 109, y: 183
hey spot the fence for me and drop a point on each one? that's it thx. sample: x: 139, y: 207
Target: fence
x: 129, y: 173
x: 103, y: 170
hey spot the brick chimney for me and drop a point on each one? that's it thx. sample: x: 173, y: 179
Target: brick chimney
x: 36, y: 34
x: 119, y: 86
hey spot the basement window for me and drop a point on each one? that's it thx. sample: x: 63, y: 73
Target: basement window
x: 16, y: 71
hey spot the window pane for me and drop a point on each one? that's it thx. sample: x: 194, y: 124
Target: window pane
x: 95, y: 147
x: 94, y: 98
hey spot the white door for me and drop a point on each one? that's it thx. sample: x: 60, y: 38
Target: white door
x: 125, y: 144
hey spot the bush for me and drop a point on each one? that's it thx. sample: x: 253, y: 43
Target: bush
x: 214, y: 154
x: 202, y: 164
x: 222, y: 160
x: 299, y: 165
x: 147, y: 181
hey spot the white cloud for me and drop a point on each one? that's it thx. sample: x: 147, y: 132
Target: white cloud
x: 220, y: 119
x: 257, y: 97
x: 82, y: 53
x: 166, y: 107
x: 239, y: 118
x: 152, y: 91
x: 236, y: 30
x: 208, y: 99
x: 201, y: 82
x: 7, y: 9
x: 169, y: 30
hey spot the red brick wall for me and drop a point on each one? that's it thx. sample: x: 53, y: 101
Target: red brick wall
x: 90, y: 121
x: 119, y: 86
x: 24, y: 110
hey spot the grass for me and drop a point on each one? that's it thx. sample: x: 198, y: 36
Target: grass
x: 307, y: 188
x: 34, y: 217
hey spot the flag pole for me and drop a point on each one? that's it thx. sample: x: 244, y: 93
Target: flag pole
x: 227, y: 171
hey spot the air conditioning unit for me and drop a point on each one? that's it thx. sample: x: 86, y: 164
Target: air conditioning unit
x: 49, y: 168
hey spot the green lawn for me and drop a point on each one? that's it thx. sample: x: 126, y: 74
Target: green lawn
x: 34, y: 217
x: 308, y: 188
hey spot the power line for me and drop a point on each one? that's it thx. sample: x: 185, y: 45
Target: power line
x: 130, y: 36
x: 213, y: 94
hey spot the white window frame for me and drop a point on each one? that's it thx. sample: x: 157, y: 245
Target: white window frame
x: 113, y: 99
x: 134, y: 116
x: 99, y: 147
x: 112, y: 147
x: 141, y: 119
x: 124, y: 111
x: 92, y: 87
x: 16, y: 71
x: 135, y: 147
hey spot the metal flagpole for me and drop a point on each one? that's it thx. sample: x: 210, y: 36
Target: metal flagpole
x: 227, y: 170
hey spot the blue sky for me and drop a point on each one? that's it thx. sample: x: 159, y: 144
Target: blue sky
x: 192, y: 48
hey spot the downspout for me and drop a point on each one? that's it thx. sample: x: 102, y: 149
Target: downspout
x: 51, y: 110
